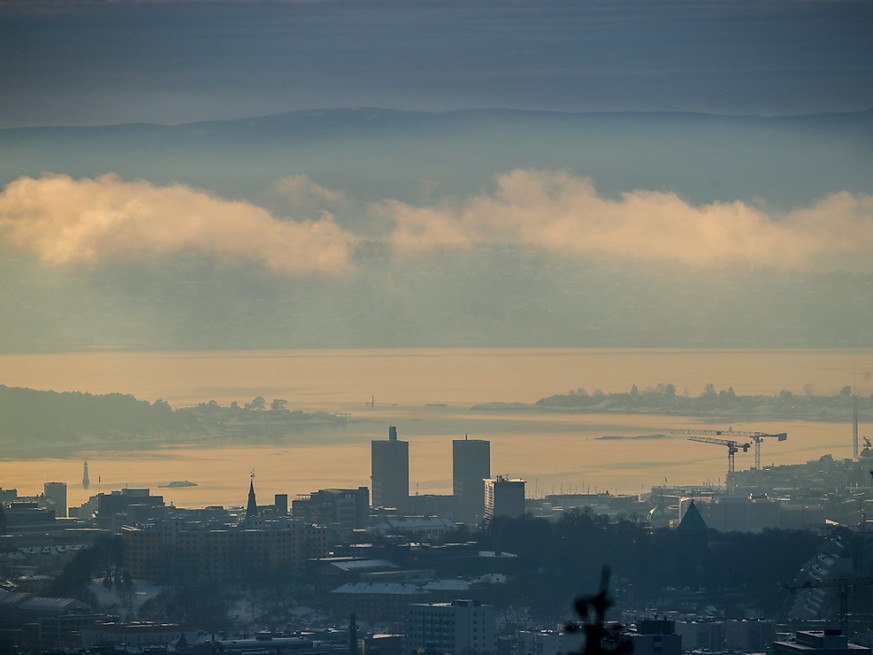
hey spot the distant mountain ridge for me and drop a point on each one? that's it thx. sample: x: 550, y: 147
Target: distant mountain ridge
x: 377, y: 153
x: 374, y: 115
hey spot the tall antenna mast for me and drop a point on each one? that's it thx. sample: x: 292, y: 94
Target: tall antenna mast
x: 854, y: 415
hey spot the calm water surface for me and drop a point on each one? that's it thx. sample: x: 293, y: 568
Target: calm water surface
x: 427, y: 394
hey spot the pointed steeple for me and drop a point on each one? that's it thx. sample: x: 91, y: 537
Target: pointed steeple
x: 692, y: 521
x: 252, y: 506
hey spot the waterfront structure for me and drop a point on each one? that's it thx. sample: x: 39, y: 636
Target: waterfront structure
x: 461, y: 626
x: 55, y: 494
x: 471, y: 465
x: 504, y: 497
x: 390, y: 471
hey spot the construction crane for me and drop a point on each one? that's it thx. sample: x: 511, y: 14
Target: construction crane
x: 757, y: 437
x: 844, y: 586
x: 732, y: 445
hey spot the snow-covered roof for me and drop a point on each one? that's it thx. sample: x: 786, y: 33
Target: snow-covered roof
x: 447, y: 585
x: 384, y: 588
x: 364, y: 564
x: 500, y: 553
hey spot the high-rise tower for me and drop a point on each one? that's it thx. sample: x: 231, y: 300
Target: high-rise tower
x: 86, y: 482
x: 471, y: 465
x: 390, y: 471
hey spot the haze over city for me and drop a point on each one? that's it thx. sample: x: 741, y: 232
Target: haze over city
x: 325, y: 323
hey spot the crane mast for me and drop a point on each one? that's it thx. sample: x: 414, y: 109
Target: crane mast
x: 756, y: 437
x: 732, y: 445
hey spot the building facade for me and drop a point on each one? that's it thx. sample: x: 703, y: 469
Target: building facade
x: 390, y: 471
x: 340, y: 509
x: 504, y: 497
x: 460, y: 627
x: 471, y: 466
x: 819, y: 642
x: 56, y: 497
x: 170, y: 551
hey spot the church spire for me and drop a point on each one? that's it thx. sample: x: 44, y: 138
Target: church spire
x: 252, y: 507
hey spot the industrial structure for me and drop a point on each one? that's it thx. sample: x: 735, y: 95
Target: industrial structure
x: 724, y: 438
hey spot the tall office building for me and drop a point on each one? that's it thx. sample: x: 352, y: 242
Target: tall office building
x: 390, y: 471
x: 56, y: 495
x: 504, y: 497
x: 471, y: 465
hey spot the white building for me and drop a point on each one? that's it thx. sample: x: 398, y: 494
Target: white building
x: 459, y: 627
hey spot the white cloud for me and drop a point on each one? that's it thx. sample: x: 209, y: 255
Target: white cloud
x: 65, y: 220
x: 301, y: 190
x: 564, y: 213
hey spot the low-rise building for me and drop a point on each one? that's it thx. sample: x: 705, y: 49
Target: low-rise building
x: 376, y: 601
x: 199, y: 553
x: 459, y: 627
x: 819, y: 642
x: 549, y: 642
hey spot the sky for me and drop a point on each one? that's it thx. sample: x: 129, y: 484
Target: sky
x: 751, y: 226
x: 91, y: 62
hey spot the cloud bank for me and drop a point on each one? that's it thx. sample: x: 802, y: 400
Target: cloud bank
x: 64, y: 220
x: 564, y: 213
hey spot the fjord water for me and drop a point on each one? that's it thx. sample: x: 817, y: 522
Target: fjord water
x: 428, y: 393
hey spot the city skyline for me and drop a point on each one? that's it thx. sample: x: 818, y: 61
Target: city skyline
x: 546, y: 245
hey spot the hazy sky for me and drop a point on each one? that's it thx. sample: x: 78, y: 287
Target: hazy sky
x: 77, y: 62
x: 390, y: 228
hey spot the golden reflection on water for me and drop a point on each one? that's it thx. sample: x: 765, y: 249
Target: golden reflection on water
x: 427, y: 394
x: 553, y: 456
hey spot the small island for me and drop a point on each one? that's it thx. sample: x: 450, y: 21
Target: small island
x: 177, y: 483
